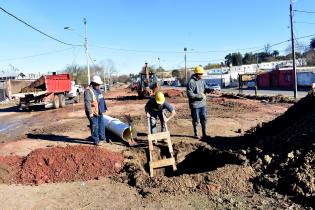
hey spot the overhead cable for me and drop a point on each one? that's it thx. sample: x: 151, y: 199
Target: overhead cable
x: 36, y: 55
x: 43, y: 33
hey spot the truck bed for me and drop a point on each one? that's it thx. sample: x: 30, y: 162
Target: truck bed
x: 50, y: 83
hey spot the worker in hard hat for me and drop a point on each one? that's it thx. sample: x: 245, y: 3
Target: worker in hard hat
x: 95, y: 106
x: 156, y: 107
x: 196, y: 89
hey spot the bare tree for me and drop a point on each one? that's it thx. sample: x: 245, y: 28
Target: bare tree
x: 267, y: 48
x: 110, y: 69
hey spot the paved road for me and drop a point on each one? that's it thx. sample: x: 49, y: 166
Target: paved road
x: 301, y: 94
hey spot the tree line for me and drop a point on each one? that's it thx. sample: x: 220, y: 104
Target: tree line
x: 267, y: 55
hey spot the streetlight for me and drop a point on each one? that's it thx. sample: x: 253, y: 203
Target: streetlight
x: 85, y: 46
x: 185, y: 49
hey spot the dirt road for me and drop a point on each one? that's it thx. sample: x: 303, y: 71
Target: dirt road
x: 220, y: 179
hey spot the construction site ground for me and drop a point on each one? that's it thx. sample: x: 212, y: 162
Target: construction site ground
x: 212, y: 174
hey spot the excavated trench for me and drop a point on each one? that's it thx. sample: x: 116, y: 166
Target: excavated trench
x: 199, y: 169
x: 190, y: 159
x: 203, y: 160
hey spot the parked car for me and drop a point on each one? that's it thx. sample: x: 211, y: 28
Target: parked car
x: 215, y: 87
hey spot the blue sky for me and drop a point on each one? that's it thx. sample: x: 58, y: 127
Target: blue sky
x: 132, y: 32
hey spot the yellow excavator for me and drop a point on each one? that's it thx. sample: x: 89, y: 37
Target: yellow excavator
x: 147, y: 84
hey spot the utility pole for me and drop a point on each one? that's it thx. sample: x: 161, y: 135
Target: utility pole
x: 293, y: 50
x: 256, y: 79
x: 86, y: 51
x: 221, y: 77
x: 160, y: 68
x: 185, y: 49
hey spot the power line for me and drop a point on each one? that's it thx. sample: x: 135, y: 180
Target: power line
x: 169, y: 52
x: 36, y: 55
x: 304, y: 11
x: 303, y: 22
x: 32, y: 27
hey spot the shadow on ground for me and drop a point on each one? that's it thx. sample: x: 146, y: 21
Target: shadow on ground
x: 10, y: 109
x: 60, y: 138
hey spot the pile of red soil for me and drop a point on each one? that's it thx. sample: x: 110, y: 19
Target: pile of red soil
x: 171, y: 93
x: 63, y: 164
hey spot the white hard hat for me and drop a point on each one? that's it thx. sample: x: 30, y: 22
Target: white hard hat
x: 97, y: 79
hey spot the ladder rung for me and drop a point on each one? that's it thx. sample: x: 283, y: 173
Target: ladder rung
x: 159, y: 136
x: 162, y: 163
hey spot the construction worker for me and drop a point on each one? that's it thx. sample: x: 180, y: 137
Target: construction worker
x: 196, y: 89
x: 95, y: 106
x: 155, y: 107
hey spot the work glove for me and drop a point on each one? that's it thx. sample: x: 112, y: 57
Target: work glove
x: 204, y: 97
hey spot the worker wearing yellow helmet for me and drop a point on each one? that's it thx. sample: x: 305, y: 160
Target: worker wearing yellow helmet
x: 196, y: 90
x: 156, y: 107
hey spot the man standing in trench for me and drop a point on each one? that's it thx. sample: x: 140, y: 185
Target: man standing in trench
x: 196, y: 89
x: 95, y: 106
x: 155, y: 107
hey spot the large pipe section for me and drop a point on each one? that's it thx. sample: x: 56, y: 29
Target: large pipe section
x: 117, y: 127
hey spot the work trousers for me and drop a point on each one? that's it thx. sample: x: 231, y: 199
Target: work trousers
x: 199, y: 114
x: 153, y: 121
x: 97, y: 128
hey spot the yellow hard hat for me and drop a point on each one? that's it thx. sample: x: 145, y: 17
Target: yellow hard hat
x: 159, y: 98
x: 199, y: 70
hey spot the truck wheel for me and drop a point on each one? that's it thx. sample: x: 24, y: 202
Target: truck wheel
x: 56, y: 102
x: 62, y: 100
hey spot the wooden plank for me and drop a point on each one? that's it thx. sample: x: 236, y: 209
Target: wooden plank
x: 162, y: 163
x: 159, y: 136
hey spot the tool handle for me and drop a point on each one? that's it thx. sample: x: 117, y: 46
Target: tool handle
x: 149, y: 125
x: 165, y: 121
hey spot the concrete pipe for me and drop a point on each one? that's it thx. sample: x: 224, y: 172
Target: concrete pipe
x: 117, y: 127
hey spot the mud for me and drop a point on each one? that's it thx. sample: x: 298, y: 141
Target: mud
x: 200, y: 168
x: 284, y: 152
x: 62, y: 164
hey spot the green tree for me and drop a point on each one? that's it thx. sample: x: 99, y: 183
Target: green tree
x: 212, y: 66
x: 275, y: 53
x: 228, y: 59
x: 310, y: 57
x: 312, y: 43
x: 176, y: 73
x: 249, y: 58
x: 237, y: 59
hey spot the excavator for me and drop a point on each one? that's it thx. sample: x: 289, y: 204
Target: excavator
x: 147, y: 85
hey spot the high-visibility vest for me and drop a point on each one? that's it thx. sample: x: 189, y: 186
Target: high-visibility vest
x: 94, y: 103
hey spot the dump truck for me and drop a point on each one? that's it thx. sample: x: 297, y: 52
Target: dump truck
x: 49, y: 91
x: 147, y: 84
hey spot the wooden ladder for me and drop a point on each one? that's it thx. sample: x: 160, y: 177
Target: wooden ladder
x: 153, y: 164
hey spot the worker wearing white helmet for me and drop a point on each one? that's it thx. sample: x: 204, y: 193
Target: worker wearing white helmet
x: 95, y: 106
x: 196, y: 89
x: 155, y: 107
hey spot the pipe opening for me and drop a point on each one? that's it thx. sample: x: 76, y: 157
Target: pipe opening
x: 126, y: 135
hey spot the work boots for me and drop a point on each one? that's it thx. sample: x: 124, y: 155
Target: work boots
x: 204, y: 132
x: 196, y: 132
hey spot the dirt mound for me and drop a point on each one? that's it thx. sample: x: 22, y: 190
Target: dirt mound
x: 199, y: 169
x: 285, y: 151
x: 271, y: 99
x: 172, y: 93
x: 63, y: 164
